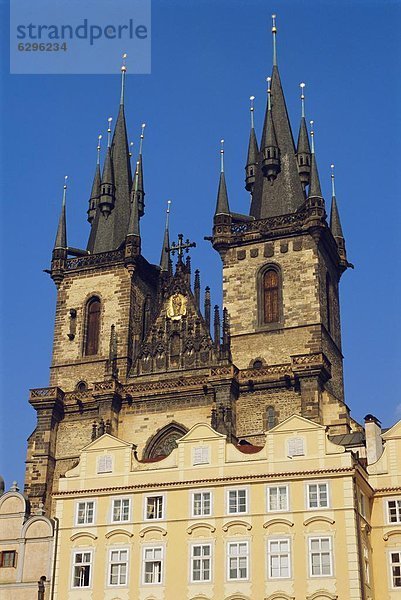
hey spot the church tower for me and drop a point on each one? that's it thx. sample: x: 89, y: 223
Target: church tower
x: 282, y: 266
x: 136, y: 356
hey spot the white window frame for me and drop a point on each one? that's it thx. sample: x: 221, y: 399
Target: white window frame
x: 299, y: 451
x: 153, y: 547
x: 237, y: 489
x: 362, y: 504
x: 202, y: 515
x: 201, y: 558
x: 74, y: 564
x: 201, y: 455
x: 269, y: 489
x: 318, y: 496
x: 366, y: 565
x: 237, y: 543
x: 85, y: 524
x: 390, y: 566
x: 145, y: 506
x: 321, y: 537
x: 397, y: 500
x: 120, y: 499
x: 108, y: 466
x: 270, y: 554
x: 119, y: 562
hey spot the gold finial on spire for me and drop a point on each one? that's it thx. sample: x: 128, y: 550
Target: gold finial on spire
x: 252, y: 98
x: 142, y: 136
x: 312, y: 136
x: 222, y: 156
x: 99, y: 137
x: 333, y: 188
x: 65, y: 189
x: 274, y: 32
x: 131, y: 146
x: 109, y: 120
x: 269, y: 93
x: 123, y: 72
x: 302, y: 86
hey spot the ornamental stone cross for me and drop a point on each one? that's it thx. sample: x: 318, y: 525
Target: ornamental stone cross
x: 181, y: 246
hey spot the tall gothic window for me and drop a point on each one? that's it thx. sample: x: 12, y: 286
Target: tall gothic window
x: 164, y: 441
x: 92, y: 330
x: 271, y: 296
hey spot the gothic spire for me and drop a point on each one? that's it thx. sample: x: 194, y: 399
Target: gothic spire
x: 95, y: 192
x: 314, y: 187
x: 269, y: 147
x: 133, y: 224
x: 222, y: 206
x: 165, y: 262
x: 335, y: 223
x: 253, y: 153
x: 107, y: 187
x: 141, y: 189
x: 303, y: 148
x: 284, y: 194
x: 60, y: 242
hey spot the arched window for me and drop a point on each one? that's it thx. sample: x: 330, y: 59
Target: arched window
x: 270, y: 417
x: 164, y: 441
x: 271, y: 296
x: 92, y: 330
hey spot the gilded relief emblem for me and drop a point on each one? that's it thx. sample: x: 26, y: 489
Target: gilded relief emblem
x: 176, y: 306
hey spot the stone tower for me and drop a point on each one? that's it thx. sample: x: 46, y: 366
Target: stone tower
x: 282, y: 266
x: 134, y: 354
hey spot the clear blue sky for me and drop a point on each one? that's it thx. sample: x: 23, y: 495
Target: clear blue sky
x: 208, y: 57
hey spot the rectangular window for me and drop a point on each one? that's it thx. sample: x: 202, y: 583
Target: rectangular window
x: 85, y: 513
x: 201, y: 455
x: 278, y: 555
x: 320, y: 557
x: 318, y: 495
x: 82, y: 567
x: 362, y: 504
x: 237, y: 501
x: 395, y: 565
x: 201, y: 504
x: 277, y: 498
x: 8, y: 558
x: 394, y: 511
x: 154, y: 508
x: 121, y: 510
x: 201, y: 562
x: 296, y: 447
x: 153, y: 565
x: 237, y: 560
x: 105, y: 464
x: 118, y: 567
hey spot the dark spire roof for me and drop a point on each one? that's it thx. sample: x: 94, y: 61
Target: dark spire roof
x: 111, y: 232
x: 222, y: 206
x: 303, y: 146
x: 165, y: 262
x: 95, y: 193
x: 315, y: 190
x: 61, y: 236
x: 284, y: 194
x: 108, y: 171
x: 253, y: 150
x: 133, y: 223
x: 335, y: 223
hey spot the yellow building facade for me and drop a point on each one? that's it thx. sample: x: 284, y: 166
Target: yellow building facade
x: 294, y: 519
